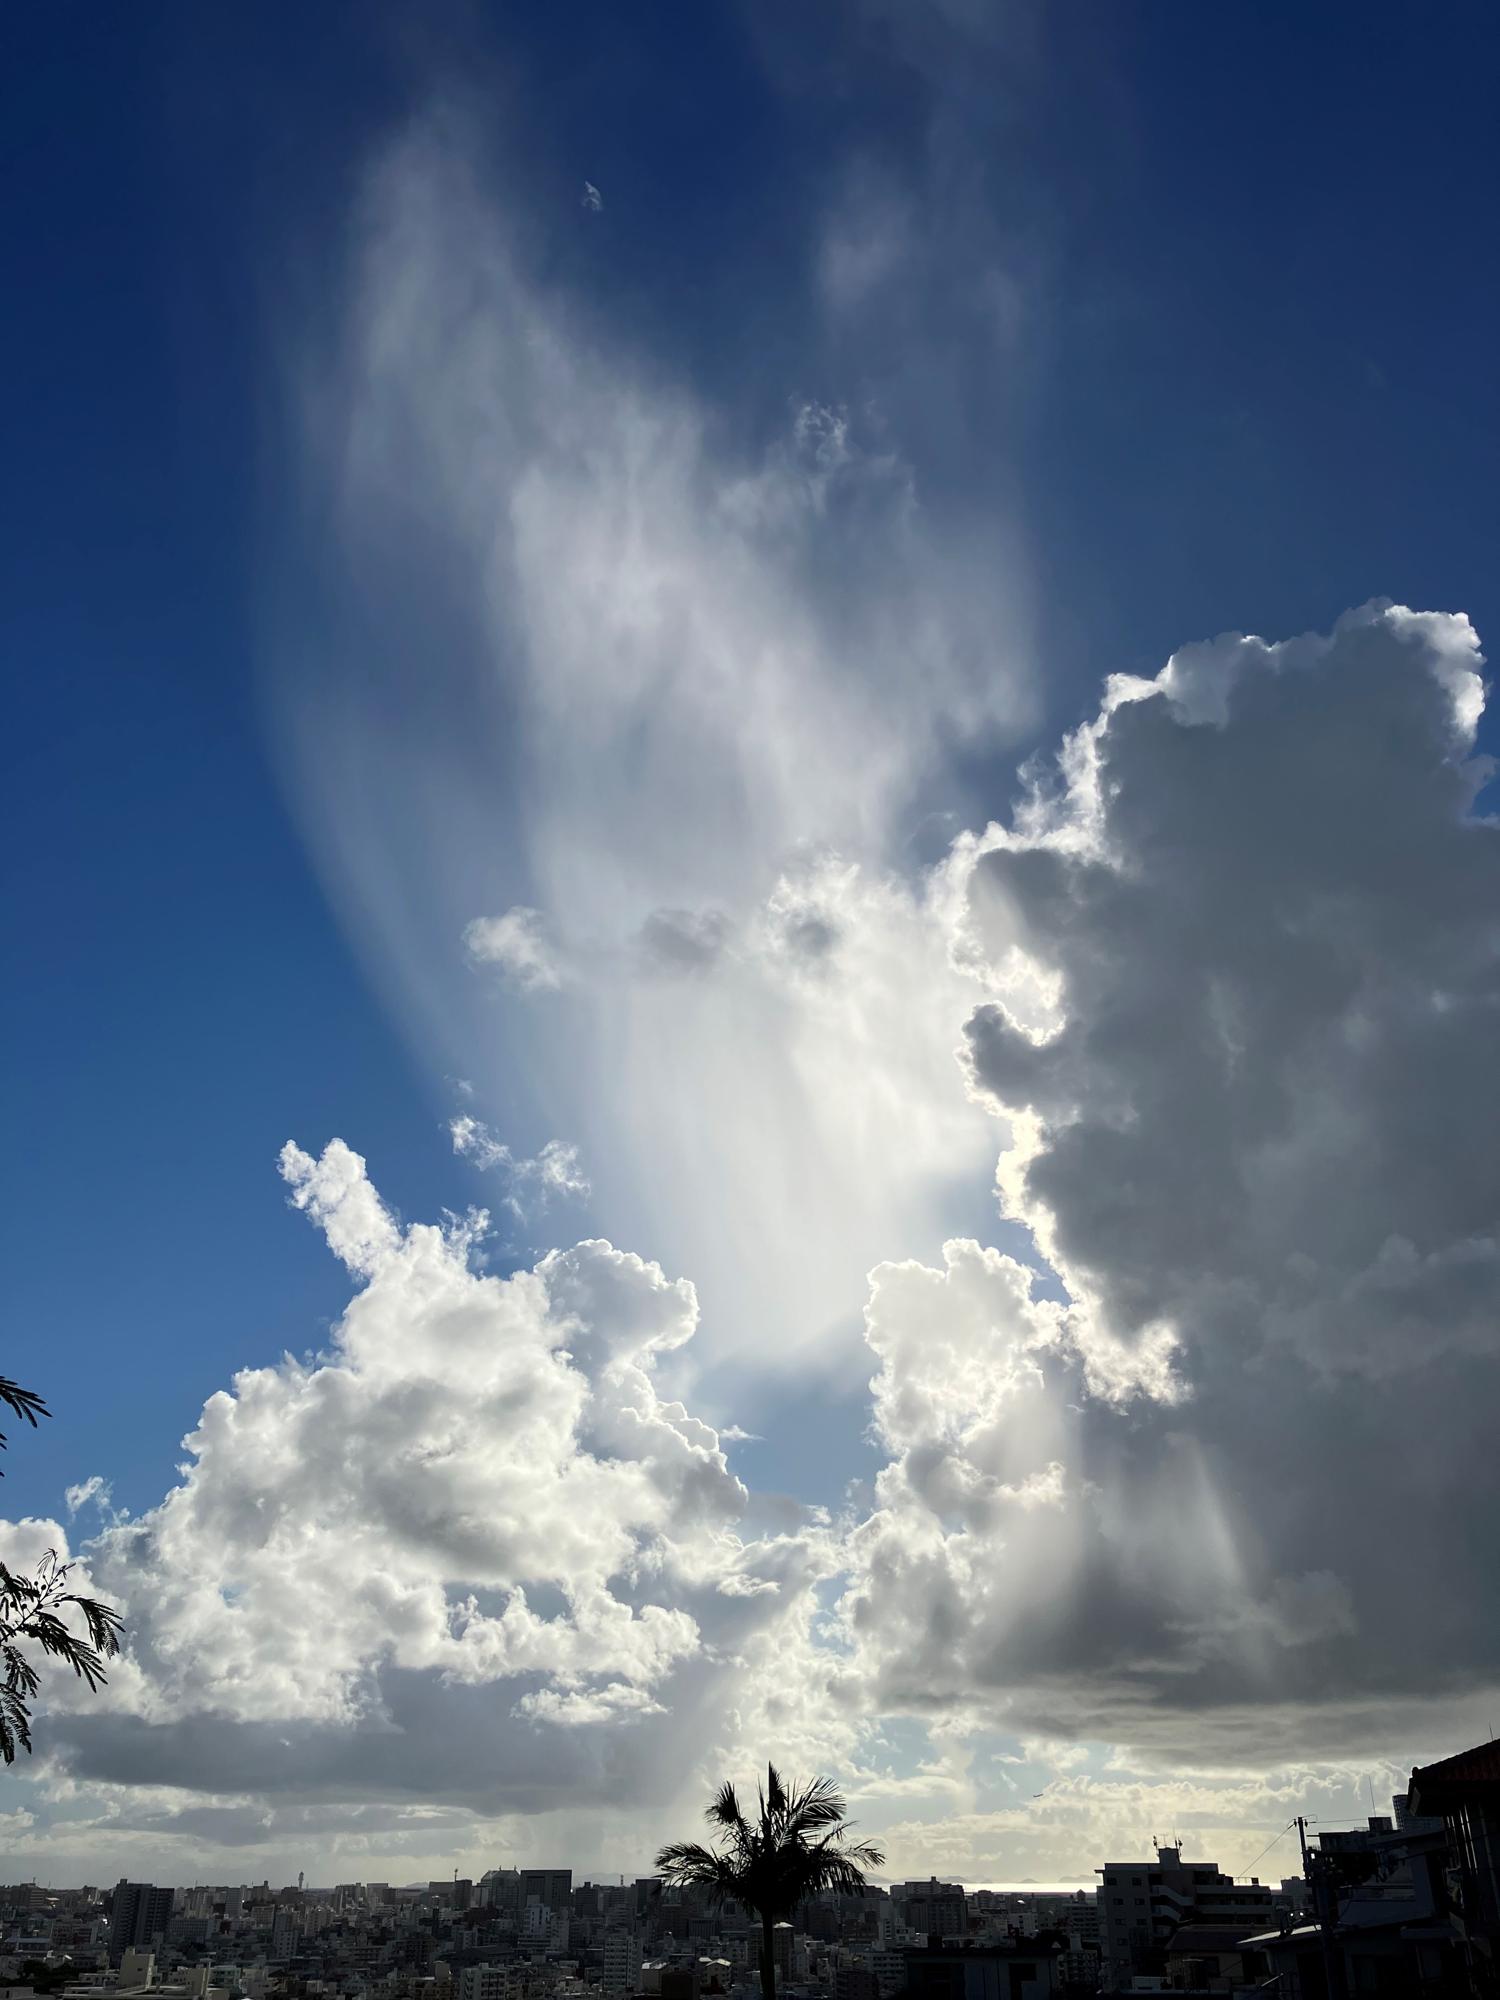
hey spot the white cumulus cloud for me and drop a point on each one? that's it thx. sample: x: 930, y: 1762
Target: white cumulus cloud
x: 555, y: 1170
x: 471, y: 1533
x: 515, y: 942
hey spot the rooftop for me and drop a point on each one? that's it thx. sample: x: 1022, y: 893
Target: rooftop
x: 1436, y: 1788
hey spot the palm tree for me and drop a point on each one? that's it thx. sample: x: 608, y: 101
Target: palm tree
x: 797, y: 1846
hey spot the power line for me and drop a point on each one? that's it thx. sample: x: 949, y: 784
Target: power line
x: 1272, y: 1843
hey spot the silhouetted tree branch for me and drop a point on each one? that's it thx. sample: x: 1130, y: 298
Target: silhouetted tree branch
x: 25, y: 1402
x: 34, y: 1608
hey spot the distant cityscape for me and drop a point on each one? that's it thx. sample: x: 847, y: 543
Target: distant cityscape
x: 1407, y: 1904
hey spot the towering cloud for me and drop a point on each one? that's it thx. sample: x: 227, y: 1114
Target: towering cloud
x: 1245, y: 941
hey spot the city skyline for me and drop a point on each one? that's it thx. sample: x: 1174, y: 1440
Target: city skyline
x: 1407, y: 1902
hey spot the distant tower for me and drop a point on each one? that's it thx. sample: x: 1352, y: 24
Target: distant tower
x: 299, y: 1880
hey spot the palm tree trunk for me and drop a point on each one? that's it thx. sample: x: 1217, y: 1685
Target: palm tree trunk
x: 767, y: 1957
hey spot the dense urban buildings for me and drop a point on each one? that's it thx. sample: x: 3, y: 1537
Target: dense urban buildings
x: 1142, y: 1905
x: 1406, y: 1904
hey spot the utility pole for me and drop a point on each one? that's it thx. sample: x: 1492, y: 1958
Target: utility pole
x: 1317, y: 1887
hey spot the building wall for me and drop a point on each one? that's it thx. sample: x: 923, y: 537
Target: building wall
x: 932, y: 1908
x: 979, y: 1975
x: 552, y: 1886
x: 1141, y: 1904
x: 140, y: 1913
x: 622, y: 1961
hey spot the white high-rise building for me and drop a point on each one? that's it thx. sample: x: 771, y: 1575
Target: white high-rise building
x: 286, y: 1933
x: 536, y: 1919
x: 485, y: 1982
x: 622, y: 1961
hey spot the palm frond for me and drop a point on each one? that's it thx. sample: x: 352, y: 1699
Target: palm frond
x: 682, y: 1857
x: 818, y: 1804
x: 686, y: 1864
x: 725, y: 1808
x: 838, y: 1869
x: 775, y: 1792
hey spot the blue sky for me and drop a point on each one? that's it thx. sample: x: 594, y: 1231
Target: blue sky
x: 1261, y: 391
x: 1230, y: 369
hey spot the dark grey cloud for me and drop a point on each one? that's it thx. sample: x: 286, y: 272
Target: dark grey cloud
x: 1272, y: 1103
x: 1254, y: 1093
